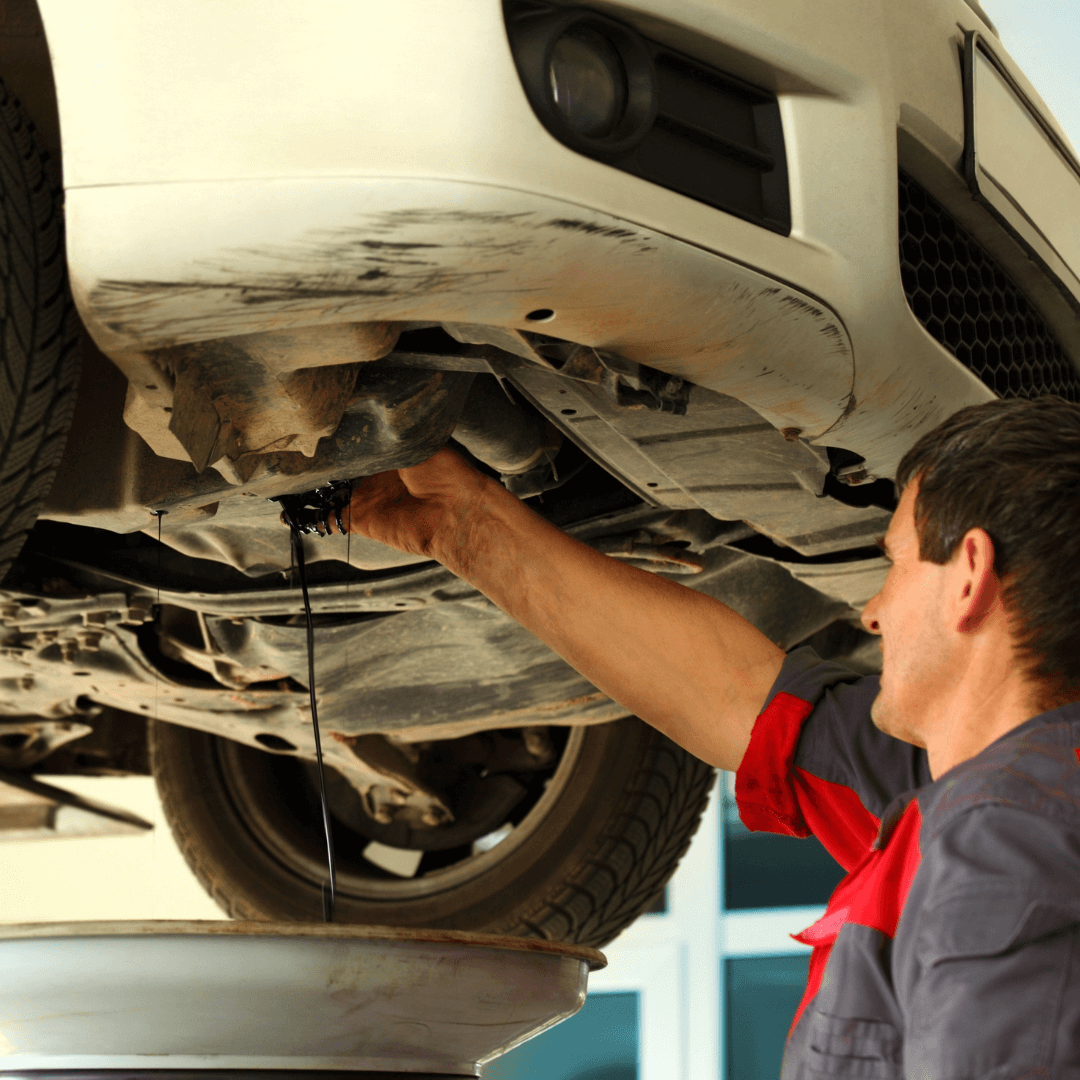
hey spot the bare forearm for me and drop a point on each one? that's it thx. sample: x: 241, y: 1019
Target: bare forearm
x: 682, y: 661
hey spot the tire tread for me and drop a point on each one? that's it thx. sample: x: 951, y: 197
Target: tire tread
x: 646, y: 838
x: 38, y: 328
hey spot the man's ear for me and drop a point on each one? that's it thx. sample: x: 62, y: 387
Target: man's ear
x: 980, y: 588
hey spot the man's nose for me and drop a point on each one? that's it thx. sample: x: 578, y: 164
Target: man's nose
x: 870, y: 614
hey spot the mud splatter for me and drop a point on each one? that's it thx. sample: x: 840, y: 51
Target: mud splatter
x: 591, y: 228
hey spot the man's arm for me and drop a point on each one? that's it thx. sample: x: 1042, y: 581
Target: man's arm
x: 682, y: 661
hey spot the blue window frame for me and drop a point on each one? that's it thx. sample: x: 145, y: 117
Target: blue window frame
x: 762, y: 870
x: 761, y: 995
x: 598, y: 1043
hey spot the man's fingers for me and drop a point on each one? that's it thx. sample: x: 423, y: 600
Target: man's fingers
x: 376, y: 507
x: 403, y: 508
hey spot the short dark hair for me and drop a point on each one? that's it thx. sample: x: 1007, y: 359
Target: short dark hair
x: 1013, y: 469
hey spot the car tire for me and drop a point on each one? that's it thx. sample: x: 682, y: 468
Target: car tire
x: 38, y: 328
x: 627, y: 801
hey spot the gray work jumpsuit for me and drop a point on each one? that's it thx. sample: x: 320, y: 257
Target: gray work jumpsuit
x: 951, y: 951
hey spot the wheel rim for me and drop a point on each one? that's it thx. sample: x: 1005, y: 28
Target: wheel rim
x: 288, y: 828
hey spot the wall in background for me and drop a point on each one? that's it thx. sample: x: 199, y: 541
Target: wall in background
x: 599, y: 1043
x: 118, y: 877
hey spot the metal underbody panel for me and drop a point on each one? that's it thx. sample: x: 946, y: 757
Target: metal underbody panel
x: 720, y: 457
x: 419, y: 655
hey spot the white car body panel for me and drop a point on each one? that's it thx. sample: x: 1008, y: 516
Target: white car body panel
x: 201, y: 113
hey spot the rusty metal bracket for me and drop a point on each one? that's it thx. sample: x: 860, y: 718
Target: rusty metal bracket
x: 25, y: 742
x: 627, y: 383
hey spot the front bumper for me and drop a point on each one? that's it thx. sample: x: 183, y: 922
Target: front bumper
x: 239, y: 168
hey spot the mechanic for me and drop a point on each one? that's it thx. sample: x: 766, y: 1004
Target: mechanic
x: 948, y: 788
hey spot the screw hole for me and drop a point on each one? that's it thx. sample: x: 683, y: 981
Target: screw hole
x: 80, y: 673
x: 544, y: 314
x: 652, y: 484
x: 151, y: 386
x: 568, y: 412
x: 274, y: 742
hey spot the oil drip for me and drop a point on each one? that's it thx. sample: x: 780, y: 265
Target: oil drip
x: 348, y: 572
x: 311, y: 513
x: 330, y: 890
x: 159, y: 514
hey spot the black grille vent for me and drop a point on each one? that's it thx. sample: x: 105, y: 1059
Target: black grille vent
x: 968, y: 304
x: 716, y: 139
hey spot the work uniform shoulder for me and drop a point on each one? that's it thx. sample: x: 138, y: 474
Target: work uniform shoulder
x: 987, y: 946
x: 999, y: 843
x: 990, y: 930
x: 999, y: 865
x: 806, y: 676
x: 1035, y: 768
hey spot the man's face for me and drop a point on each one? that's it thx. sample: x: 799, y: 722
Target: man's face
x: 909, y: 615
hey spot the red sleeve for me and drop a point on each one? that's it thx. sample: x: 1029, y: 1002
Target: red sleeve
x: 817, y: 765
x: 763, y: 789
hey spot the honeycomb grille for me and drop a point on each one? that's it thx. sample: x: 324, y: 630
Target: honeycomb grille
x: 968, y: 305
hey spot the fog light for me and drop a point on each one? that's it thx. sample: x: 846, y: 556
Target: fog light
x: 589, y: 79
x: 588, y: 83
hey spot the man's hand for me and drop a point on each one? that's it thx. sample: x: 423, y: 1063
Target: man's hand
x: 682, y: 661
x: 411, y: 509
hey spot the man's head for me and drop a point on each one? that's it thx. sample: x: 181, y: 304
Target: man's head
x: 985, y: 545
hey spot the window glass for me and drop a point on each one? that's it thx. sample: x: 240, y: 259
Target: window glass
x: 766, y: 871
x: 761, y: 996
x: 598, y: 1043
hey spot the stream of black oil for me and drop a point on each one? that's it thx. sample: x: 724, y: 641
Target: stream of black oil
x: 329, y: 894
